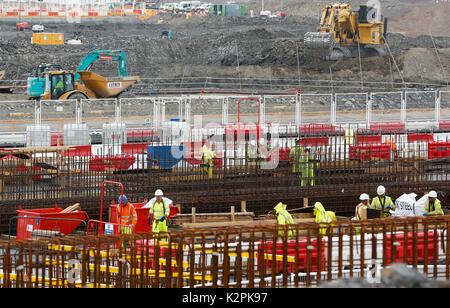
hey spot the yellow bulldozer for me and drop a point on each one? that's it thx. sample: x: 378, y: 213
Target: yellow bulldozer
x: 345, y: 33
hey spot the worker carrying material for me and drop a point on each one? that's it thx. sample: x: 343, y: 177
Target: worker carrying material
x: 160, y: 210
x: 207, y: 160
x: 303, y: 163
x: 382, y: 202
x: 126, y: 215
x: 361, y: 208
x: 321, y: 216
x: 433, y: 205
x: 283, y: 218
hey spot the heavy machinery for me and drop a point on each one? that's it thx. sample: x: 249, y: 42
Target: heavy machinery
x: 345, y: 33
x: 49, y: 81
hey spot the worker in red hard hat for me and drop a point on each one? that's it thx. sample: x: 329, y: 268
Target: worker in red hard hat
x: 126, y: 215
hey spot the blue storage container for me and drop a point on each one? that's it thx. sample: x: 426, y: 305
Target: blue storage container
x: 166, y: 157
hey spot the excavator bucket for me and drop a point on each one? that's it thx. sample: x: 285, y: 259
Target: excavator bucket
x: 105, y: 87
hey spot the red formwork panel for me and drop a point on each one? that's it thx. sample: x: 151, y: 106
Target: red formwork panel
x: 79, y: 151
x: 48, y: 219
x: 438, y: 150
x: 317, y: 129
x: 420, y: 137
x: 134, y: 148
x: 368, y: 139
x: 103, y: 163
x: 314, y: 141
x: 370, y: 151
x: 266, y: 248
x: 399, y: 239
x: 142, y: 225
x: 397, y: 127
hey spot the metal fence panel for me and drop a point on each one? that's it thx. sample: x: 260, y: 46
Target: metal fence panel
x: 96, y: 112
x: 316, y: 108
x: 280, y: 108
x: 420, y: 106
x: 16, y: 115
x: 138, y: 112
x: 445, y: 106
x: 351, y: 108
x: 386, y: 107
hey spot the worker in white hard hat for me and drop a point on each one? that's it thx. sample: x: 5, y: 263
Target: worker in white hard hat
x: 433, y: 205
x: 159, y: 210
x: 382, y: 202
x: 361, y: 208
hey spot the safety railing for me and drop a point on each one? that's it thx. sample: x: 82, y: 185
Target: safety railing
x: 302, y: 255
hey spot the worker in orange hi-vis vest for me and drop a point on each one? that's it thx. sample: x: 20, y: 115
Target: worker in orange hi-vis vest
x: 126, y: 215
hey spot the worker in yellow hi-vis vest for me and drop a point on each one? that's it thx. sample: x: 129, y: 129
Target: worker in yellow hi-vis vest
x: 207, y: 160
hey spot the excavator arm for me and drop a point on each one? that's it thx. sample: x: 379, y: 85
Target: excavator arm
x: 118, y: 56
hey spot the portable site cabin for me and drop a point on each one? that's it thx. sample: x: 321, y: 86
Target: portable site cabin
x: 228, y: 10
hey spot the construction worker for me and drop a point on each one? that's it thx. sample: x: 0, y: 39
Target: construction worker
x: 207, y: 160
x: 433, y: 205
x: 126, y: 215
x: 322, y: 216
x: 283, y: 218
x: 59, y: 88
x: 382, y: 202
x: 160, y: 210
x: 303, y: 163
x: 361, y: 208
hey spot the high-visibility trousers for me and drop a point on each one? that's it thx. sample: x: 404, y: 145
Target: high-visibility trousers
x: 159, y: 226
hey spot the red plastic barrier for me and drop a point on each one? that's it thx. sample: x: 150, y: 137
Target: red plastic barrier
x: 142, y: 225
x: 55, y: 221
x: 33, y: 14
x: 368, y: 152
x: 400, y: 256
x: 267, y: 249
x: 134, y: 148
x: 53, y: 14
x: 138, y: 12
x: 317, y: 129
x: 314, y: 141
x: 438, y: 150
x: 57, y: 139
x: 284, y: 154
x: 80, y: 150
x: 12, y: 13
x: 418, y: 137
x: 92, y: 14
x: 120, y: 162
x: 368, y: 139
x: 388, y: 127
x: 192, y: 154
x: 444, y: 125
x: 140, y: 134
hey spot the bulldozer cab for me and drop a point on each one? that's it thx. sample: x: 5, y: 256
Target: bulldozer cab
x: 60, y: 83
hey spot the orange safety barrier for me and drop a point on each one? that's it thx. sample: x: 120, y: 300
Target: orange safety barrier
x: 368, y: 152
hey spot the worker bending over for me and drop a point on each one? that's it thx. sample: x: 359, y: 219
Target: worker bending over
x: 433, y: 205
x: 283, y: 218
x: 361, y: 208
x: 126, y: 215
x: 160, y: 210
x: 382, y: 202
x: 323, y: 217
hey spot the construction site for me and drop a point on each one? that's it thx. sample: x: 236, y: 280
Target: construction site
x: 257, y: 144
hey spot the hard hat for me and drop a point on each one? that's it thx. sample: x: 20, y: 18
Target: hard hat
x: 364, y: 197
x: 159, y: 193
x: 432, y: 194
x: 253, y: 142
x: 381, y: 190
x: 122, y: 200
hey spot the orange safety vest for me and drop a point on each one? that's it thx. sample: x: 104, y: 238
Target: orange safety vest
x: 127, y: 215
